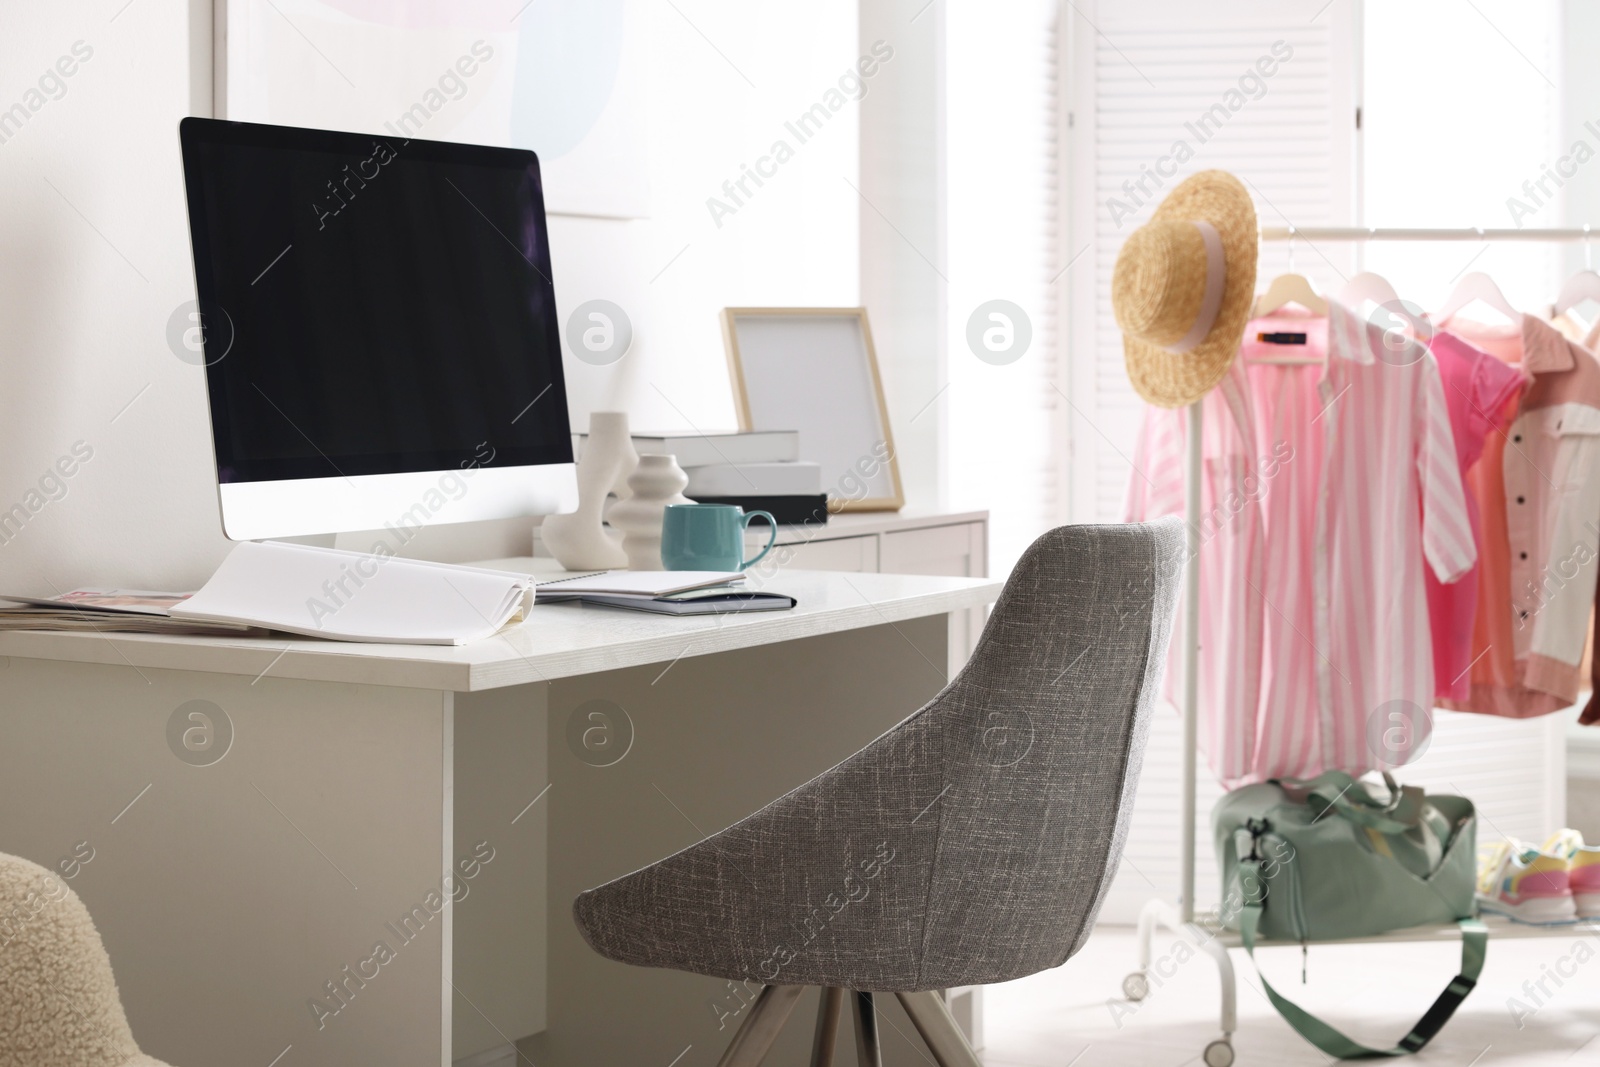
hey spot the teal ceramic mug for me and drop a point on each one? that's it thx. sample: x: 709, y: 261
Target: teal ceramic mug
x: 709, y: 537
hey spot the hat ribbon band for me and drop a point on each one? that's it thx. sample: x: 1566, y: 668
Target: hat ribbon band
x: 1211, y: 301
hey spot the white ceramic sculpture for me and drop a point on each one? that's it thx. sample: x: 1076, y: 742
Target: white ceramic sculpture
x: 580, y: 541
x: 657, y: 482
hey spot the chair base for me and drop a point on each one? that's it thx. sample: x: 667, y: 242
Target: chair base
x: 774, y: 1004
x: 752, y: 1041
x: 827, y: 1033
x: 931, y: 1016
x: 868, y: 1052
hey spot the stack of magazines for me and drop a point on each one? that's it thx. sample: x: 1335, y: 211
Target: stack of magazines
x: 298, y: 589
x: 135, y: 611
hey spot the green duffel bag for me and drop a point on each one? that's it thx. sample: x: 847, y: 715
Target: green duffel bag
x: 1324, y: 859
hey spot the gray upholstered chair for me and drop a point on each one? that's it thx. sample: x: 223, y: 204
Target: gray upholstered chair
x: 970, y: 844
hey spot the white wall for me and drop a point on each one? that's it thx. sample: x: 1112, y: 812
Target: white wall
x: 903, y: 221
x: 93, y: 258
x: 792, y: 242
x: 1007, y: 448
x: 85, y: 298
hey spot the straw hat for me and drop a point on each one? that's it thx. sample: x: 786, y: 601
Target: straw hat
x: 1183, y: 286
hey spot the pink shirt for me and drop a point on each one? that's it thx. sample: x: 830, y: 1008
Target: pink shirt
x: 1234, y: 474
x: 1477, y: 389
x: 1364, y: 492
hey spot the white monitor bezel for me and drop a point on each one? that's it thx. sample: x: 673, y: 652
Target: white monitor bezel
x: 295, y: 507
x: 259, y: 509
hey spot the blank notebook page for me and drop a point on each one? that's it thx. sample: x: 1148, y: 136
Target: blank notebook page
x: 352, y: 596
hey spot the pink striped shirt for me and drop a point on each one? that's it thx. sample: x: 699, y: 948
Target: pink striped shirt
x: 1234, y: 474
x: 1366, y: 492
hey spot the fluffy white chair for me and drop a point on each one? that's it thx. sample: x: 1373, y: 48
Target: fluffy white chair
x: 58, y: 1000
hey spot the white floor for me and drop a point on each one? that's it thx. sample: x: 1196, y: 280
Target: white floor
x: 1073, y: 1016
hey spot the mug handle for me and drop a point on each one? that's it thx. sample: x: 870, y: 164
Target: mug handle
x: 772, y: 535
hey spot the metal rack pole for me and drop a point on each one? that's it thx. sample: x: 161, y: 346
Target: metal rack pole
x: 1191, y: 655
x: 1423, y: 233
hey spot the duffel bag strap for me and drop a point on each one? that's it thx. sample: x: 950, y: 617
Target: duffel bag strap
x: 1474, y: 945
x: 1350, y: 798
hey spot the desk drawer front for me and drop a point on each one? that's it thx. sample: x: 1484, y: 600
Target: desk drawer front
x: 949, y: 550
x: 854, y: 554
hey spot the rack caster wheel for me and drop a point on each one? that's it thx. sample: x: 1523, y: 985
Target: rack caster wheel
x: 1218, y: 1054
x: 1136, y: 986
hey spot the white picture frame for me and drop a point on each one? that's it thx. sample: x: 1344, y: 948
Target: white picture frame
x: 815, y: 371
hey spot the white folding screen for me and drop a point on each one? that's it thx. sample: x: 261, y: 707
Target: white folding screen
x: 1152, y: 92
x: 1491, y: 106
x: 1156, y: 86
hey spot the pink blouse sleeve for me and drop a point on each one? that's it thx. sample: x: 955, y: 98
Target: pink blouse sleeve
x: 1155, y: 484
x: 1446, y: 530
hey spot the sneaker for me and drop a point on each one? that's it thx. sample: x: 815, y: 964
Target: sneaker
x: 1583, y: 870
x: 1525, y: 884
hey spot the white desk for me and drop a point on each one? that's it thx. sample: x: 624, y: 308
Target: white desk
x: 909, y: 541
x: 236, y: 896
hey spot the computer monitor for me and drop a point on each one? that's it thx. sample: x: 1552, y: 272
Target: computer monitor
x: 379, y: 330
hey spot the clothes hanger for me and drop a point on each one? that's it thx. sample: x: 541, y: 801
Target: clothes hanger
x: 1388, y: 310
x: 1374, y: 287
x: 1289, y: 288
x: 1479, y: 287
x: 1582, y: 286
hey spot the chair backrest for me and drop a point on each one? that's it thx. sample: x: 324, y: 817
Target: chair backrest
x: 973, y: 842
x: 1043, y: 739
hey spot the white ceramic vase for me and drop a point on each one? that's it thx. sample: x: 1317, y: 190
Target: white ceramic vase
x: 580, y: 541
x: 657, y: 482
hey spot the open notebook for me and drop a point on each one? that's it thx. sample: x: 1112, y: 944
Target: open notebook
x: 664, y: 592
x: 356, y: 596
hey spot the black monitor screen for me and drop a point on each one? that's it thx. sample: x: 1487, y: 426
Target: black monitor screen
x: 371, y: 304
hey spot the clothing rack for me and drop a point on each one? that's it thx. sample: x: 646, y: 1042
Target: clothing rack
x: 1410, y: 233
x: 1180, y: 919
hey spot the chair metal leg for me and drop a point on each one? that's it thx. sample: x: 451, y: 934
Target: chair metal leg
x: 868, y: 1051
x: 767, y: 1015
x: 932, y: 1018
x: 827, y: 1035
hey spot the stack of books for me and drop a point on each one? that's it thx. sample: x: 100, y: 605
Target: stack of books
x: 759, y: 470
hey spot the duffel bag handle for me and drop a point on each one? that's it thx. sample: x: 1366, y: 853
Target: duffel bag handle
x: 1474, y: 946
x: 1350, y: 798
